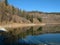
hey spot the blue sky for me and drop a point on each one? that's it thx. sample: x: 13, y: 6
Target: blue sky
x: 37, y: 5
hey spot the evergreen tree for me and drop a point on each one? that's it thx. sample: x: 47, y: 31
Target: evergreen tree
x: 6, y: 2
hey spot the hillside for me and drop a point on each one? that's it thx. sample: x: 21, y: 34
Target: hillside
x: 46, y: 17
x: 10, y: 14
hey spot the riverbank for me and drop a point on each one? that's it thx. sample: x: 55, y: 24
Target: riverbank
x: 17, y: 25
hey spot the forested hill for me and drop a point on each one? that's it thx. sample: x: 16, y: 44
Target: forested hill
x: 10, y: 14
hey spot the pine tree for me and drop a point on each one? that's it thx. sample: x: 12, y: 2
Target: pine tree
x: 6, y: 2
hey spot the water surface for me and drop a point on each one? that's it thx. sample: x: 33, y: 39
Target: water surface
x: 37, y: 35
x: 48, y: 39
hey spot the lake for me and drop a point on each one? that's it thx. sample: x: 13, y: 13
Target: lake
x: 46, y: 35
x: 43, y: 39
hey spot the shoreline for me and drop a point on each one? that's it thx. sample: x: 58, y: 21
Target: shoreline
x: 16, y: 25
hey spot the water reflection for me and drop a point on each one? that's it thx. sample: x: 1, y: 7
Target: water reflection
x: 31, y: 36
x: 48, y: 39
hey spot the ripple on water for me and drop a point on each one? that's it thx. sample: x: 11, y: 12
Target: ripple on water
x: 49, y: 39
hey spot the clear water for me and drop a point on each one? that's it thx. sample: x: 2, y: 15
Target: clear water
x: 32, y: 36
x: 43, y: 39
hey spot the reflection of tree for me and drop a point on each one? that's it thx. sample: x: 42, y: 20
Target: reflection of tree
x: 39, y: 29
x: 30, y: 31
x: 8, y: 38
x: 16, y: 34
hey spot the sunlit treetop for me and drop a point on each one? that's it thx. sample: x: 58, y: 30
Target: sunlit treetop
x: 2, y: 0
